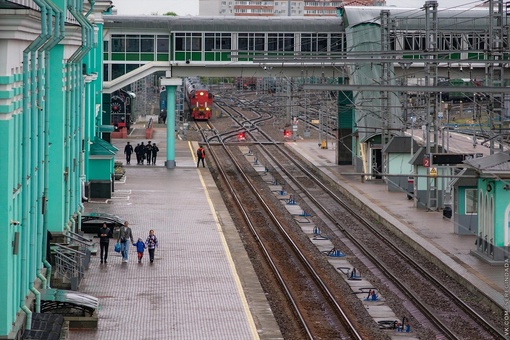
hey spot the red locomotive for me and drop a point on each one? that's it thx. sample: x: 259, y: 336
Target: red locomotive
x: 199, y: 99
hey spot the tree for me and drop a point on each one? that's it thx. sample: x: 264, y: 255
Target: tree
x: 170, y: 14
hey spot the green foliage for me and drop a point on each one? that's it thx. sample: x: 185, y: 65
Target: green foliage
x: 170, y: 14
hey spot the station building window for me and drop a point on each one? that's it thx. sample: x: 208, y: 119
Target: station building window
x: 314, y: 42
x: 471, y: 201
x: 188, y: 46
x: 163, y: 48
x: 106, y: 45
x: 477, y: 43
x: 136, y: 47
x: 450, y: 42
x: 251, y: 41
x: 414, y: 42
x: 217, y: 46
x: 338, y: 43
x: 280, y: 42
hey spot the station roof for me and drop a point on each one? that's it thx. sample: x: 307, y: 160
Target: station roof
x: 452, y: 19
x: 498, y: 163
x: 100, y: 147
x: 417, y: 159
x: 400, y: 144
x: 466, y: 178
x: 224, y: 24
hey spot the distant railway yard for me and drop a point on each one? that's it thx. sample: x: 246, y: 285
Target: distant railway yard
x: 311, y: 246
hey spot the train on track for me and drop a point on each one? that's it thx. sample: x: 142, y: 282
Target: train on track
x: 199, y: 98
x: 122, y: 109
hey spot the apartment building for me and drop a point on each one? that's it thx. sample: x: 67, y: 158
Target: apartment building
x: 278, y: 8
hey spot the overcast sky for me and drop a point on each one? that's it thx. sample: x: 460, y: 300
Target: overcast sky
x: 190, y: 7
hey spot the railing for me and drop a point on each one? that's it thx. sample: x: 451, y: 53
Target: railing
x: 68, y: 264
x: 72, y: 259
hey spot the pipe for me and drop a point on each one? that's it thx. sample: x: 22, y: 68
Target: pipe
x: 88, y: 38
x: 73, y: 67
x: 58, y: 34
x: 83, y: 197
x: 91, y: 88
x: 92, y: 5
x: 38, y: 144
x: 26, y: 160
x: 37, y: 299
x: 44, y: 281
x: 28, y: 313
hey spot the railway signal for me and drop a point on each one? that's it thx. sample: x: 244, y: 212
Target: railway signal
x: 286, y: 133
x: 241, y: 137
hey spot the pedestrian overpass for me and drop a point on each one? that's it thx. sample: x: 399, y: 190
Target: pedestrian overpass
x: 326, y: 49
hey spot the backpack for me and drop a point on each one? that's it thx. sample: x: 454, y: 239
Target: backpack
x: 199, y: 153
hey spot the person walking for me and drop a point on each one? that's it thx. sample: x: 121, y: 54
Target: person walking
x: 148, y: 152
x: 155, y: 151
x: 104, y: 241
x: 140, y: 248
x: 141, y: 151
x: 125, y: 234
x: 128, y: 150
x: 137, y: 153
x: 200, y: 155
x: 152, y: 244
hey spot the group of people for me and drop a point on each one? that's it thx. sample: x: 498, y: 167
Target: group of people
x: 124, y: 239
x: 143, y: 152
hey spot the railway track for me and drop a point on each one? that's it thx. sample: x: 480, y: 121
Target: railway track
x: 441, y: 311
x: 448, y: 312
x: 312, y: 301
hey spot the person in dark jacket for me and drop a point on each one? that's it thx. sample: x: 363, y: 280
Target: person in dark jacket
x: 141, y: 152
x: 152, y: 244
x: 137, y: 152
x: 148, y: 152
x: 155, y: 151
x: 200, y: 156
x: 128, y: 150
x: 104, y: 241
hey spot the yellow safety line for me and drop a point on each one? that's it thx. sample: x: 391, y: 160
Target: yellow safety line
x: 239, y: 286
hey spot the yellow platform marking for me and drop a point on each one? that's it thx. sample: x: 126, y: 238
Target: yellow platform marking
x: 249, y: 317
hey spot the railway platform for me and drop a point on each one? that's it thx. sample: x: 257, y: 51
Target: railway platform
x: 201, y: 284
x: 427, y: 228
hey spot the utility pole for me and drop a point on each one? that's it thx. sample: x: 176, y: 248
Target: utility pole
x: 495, y: 72
x: 431, y: 38
x: 385, y: 80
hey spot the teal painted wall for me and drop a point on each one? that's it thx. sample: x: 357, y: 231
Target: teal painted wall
x: 462, y: 200
x: 501, y: 201
x: 44, y: 119
x: 100, y: 169
x: 56, y: 166
x: 8, y: 297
